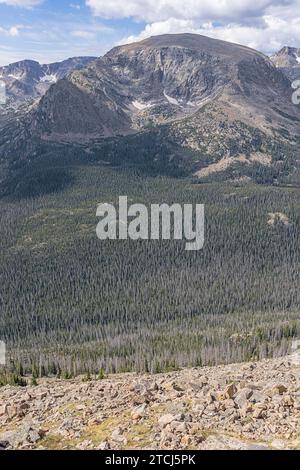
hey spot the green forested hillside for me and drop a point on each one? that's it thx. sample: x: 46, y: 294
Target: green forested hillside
x: 72, y: 303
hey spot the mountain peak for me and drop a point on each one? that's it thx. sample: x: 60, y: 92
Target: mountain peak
x: 194, y: 42
x: 206, y: 96
x: 288, y: 60
x: 28, y: 79
x: 289, y: 50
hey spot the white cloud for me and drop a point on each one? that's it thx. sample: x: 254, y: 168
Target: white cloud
x: 275, y: 33
x: 13, y: 31
x: 22, y: 3
x: 92, y: 31
x: 83, y: 34
x: 262, y: 24
x: 162, y: 10
x: 75, y: 6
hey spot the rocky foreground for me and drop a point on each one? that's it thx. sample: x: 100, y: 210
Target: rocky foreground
x: 241, y: 406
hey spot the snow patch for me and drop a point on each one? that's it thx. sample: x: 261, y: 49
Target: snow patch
x: 141, y: 106
x: 171, y: 100
x: 297, y: 57
x: 15, y: 77
x: 49, y: 79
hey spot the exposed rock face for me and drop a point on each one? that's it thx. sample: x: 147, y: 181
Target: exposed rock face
x: 28, y: 79
x: 212, y: 97
x: 223, y: 106
x: 288, y: 60
x: 165, y: 78
x: 253, y: 406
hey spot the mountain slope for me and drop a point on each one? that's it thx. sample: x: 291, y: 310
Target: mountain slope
x: 288, y: 60
x: 252, y: 406
x: 215, y: 101
x: 167, y: 78
x: 29, y: 79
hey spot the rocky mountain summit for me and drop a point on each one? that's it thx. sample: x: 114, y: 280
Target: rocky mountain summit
x: 212, y: 99
x: 28, y: 79
x: 167, y: 79
x: 288, y: 60
x: 221, y: 109
x: 253, y: 406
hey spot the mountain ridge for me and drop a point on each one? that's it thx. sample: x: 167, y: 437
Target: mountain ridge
x: 172, y: 73
x: 211, y: 99
x: 287, y: 59
x: 29, y: 79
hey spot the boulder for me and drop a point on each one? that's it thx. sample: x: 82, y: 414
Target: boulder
x: 104, y: 446
x: 139, y: 412
x: 4, y: 445
x: 230, y: 391
x: 242, y: 397
x: 259, y: 411
x: 278, y: 389
x: 165, y: 420
x: 3, y: 410
x: 257, y: 397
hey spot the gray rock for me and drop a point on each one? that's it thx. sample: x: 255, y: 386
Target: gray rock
x: 257, y: 397
x: 104, y: 446
x: 4, y: 445
x: 165, y: 420
x: 242, y: 397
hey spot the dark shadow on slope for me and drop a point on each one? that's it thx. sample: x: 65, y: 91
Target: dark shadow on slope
x: 35, y: 182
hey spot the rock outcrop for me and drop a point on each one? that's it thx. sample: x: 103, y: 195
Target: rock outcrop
x: 167, y: 79
x: 288, y: 60
x: 224, y: 108
x: 28, y: 79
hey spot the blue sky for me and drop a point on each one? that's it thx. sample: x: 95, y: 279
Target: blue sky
x: 56, y: 29
x: 51, y: 30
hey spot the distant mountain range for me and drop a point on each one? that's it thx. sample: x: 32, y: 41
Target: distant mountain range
x: 210, y: 106
x: 288, y: 60
x: 30, y: 79
x: 170, y: 80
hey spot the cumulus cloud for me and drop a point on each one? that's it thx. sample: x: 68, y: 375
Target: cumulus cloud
x: 13, y: 31
x: 92, y: 31
x: 162, y: 10
x: 275, y: 33
x: 22, y: 3
x: 262, y: 24
x: 83, y: 34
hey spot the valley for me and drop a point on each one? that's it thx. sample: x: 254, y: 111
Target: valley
x: 172, y: 119
x: 71, y: 303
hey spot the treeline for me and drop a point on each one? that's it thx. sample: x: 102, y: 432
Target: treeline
x: 194, y: 342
